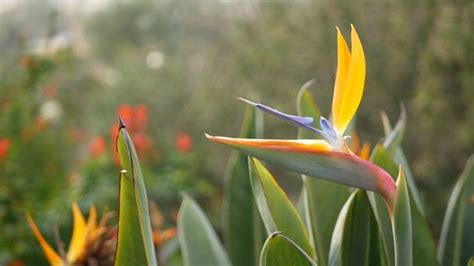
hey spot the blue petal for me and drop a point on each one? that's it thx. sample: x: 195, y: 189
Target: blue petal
x: 299, y: 121
x: 327, y: 127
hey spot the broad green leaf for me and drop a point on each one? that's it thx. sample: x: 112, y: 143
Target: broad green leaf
x: 199, y: 243
x: 135, y: 243
x: 457, y: 235
x: 279, y: 250
x: 323, y: 200
x: 424, y: 249
x: 383, y: 159
x: 402, y: 226
x: 424, y: 252
x: 277, y: 211
x: 243, y: 228
x: 392, y: 144
x: 350, y: 243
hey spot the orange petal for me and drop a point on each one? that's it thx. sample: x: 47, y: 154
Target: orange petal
x: 347, y: 98
x: 167, y: 234
x: 343, y: 61
x: 92, y: 224
x: 364, y: 152
x: 53, y: 257
x: 79, y: 235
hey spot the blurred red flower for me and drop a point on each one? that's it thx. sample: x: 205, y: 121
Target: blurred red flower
x: 184, y: 143
x: 135, y: 119
x: 4, y: 145
x: 140, y: 117
x: 142, y: 142
x: 97, y: 146
x: 125, y: 111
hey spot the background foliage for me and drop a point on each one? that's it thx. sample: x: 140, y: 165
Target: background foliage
x: 66, y: 72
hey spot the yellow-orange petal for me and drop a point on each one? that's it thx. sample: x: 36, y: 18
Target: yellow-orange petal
x: 343, y: 61
x: 364, y: 152
x: 91, y: 226
x: 347, y: 99
x: 300, y: 145
x: 79, y: 235
x: 52, y: 256
x: 167, y: 234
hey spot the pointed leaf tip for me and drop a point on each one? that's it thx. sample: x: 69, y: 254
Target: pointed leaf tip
x: 121, y: 123
x: 402, y: 224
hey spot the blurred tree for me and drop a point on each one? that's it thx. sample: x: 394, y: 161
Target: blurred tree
x: 443, y: 99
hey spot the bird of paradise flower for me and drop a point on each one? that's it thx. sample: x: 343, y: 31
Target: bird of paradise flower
x: 329, y: 158
x: 91, y: 240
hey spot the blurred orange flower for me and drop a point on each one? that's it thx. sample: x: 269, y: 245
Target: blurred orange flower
x: 4, y: 146
x: 184, y: 143
x: 97, y: 146
x: 160, y: 236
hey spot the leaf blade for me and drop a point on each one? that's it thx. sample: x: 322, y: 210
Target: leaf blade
x: 277, y: 211
x: 402, y: 224
x: 134, y: 212
x: 279, y: 250
x: 243, y: 228
x: 350, y: 243
x: 198, y: 240
x: 456, y: 235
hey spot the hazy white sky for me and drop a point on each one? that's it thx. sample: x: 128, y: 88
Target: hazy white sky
x: 86, y: 6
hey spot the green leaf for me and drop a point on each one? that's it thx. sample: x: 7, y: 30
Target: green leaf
x: 199, y: 243
x: 457, y: 234
x: 424, y: 252
x: 402, y: 226
x: 392, y: 144
x: 243, y: 228
x: 277, y: 211
x: 394, y: 137
x: 383, y: 159
x: 280, y: 250
x: 350, y: 243
x: 323, y: 200
x: 169, y: 250
x: 135, y: 243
